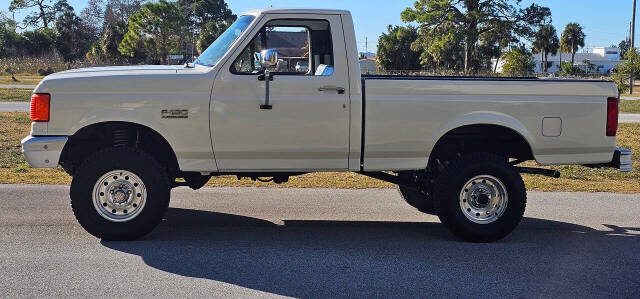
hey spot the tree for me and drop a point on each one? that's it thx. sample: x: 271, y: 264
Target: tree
x: 106, y: 48
x: 201, y: 12
x: 440, y: 20
x: 589, y: 67
x: 109, y: 20
x: 442, y: 48
x: 61, y: 7
x: 111, y: 38
x: 101, y: 13
x: 546, y: 41
x: 73, y: 37
x: 122, y: 10
x: 624, y: 46
x: 394, y: 49
x: 572, y: 39
x: 210, y: 32
x: 627, y: 68
x: 93, y: 14
x: 568, y: 68
x: 207, y: 18
x: 156, y: 27
x: 39, y: 41
x: 10, y: 40
x: 44, y: 13
x: 518, y: 62
x: 493, y: 44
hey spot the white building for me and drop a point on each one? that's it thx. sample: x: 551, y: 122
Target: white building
x: 603, y: 60
x: 368, y: 67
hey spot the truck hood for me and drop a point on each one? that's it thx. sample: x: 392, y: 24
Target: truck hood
x: 125, y: 79
x: 124, y: 69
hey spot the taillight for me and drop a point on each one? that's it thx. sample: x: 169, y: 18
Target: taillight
x: 40, y: 107
x: 612, y: 116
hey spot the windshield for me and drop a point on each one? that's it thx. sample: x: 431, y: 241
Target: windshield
x: 221, y: 45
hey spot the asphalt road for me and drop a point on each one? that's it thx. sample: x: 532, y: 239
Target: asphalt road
x: 14, y: 106
x: 245, y: 242
x: 629, y: 118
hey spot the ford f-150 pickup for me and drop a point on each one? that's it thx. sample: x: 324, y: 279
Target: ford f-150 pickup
x: 280, y: 94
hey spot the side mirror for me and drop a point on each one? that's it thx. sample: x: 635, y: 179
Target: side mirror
x: 269, y: 59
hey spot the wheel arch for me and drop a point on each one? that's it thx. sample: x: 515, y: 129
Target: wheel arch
x: 480, y: 131
x: 96, y: 136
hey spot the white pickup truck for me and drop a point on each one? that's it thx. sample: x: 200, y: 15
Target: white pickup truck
x: 280, y: 94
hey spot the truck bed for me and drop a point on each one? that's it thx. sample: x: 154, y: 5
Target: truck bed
x: 404, y: 116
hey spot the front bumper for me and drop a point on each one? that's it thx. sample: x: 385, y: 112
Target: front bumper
x: 43, y: 152
x: 622, y: 159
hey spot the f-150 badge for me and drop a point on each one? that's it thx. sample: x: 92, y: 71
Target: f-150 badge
x: 175, y: 113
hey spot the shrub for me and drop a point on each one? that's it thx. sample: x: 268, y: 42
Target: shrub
x: 43, y: 72
x: 518, y: 62
x: 567, y: 68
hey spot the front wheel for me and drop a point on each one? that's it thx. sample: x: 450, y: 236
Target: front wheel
x: 120, y: 194
x: 480, y: 197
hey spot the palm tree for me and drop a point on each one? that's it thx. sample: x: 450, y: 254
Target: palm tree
x: 572, y: 39
x: 546, y: 41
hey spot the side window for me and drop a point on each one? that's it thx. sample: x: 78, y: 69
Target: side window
x: 303, y: 48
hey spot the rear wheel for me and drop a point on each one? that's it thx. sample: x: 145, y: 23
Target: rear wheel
x: 120, y: 194
x: 480, y: 197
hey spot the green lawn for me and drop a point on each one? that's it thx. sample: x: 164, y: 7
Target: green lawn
x: 22, y: 79
x: 632, y: 106
x: 14, y: 169
x: 15, y: 95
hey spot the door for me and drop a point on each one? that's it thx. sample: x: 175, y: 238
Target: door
x: 307, y: 127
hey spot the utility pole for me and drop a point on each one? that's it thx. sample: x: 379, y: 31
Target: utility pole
x: 632, y: 48
x: 366, y: 46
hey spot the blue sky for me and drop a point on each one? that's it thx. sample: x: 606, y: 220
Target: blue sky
x: 606, y: 22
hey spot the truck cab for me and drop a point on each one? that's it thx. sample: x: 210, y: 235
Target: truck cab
x: 306, y: 124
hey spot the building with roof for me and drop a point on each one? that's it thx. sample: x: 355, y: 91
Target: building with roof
x: 601, y: 60
x: 368, y: 67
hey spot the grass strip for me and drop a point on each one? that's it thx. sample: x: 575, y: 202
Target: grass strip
x: 14, y: 169
x: 15, y: 95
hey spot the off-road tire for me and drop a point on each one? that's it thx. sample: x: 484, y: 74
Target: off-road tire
x: 156, y: 184
x: 450, y: 184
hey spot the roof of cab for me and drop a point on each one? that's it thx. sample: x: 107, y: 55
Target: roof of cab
x: 272, y: 10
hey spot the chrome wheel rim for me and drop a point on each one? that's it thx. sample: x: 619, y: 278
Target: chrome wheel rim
x: 119, y: 196
x: 483, y: 199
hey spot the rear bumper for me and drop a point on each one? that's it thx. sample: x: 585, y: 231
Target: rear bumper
x: 622, y: 159
x: 43, y: 152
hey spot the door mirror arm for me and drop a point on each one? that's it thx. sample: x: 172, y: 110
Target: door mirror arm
x: 267, y: 77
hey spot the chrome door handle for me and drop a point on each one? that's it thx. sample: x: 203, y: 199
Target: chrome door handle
x: 339, y: 90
